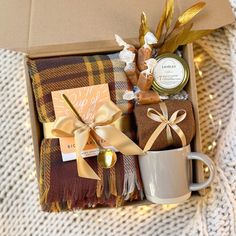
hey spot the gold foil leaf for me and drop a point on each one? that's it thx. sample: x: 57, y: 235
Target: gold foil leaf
x: 143, y: 29
x: 189, y: 14
x: 166, y: 18
x: 172, y: 44
x: 169, y: 13
x: 161, y: 24
x: 195, y: 35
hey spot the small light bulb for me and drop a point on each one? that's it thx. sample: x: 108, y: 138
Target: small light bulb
x: 198, y: 59
x: 143, y: 210
x: 25, y: 100
x: 27, y: 124
x: 167, y: 207
x: 122, y: 213
x: 210, y: 147
x: 220, y: 122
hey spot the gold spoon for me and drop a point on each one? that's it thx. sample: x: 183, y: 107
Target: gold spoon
x: 106, y: 157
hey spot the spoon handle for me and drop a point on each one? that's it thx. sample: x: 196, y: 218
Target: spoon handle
x: 71, y: 107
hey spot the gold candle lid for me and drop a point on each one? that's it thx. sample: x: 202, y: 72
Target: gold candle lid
x: 171, y: 74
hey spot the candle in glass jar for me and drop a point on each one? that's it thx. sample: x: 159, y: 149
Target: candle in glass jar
x: 171, y: 74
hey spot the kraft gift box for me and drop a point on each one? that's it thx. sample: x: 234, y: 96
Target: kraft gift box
x: 41, y: 28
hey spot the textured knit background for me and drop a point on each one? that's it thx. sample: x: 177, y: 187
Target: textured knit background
x: 214, y: 214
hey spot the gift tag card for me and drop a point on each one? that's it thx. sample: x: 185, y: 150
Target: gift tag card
x: 86, y: 101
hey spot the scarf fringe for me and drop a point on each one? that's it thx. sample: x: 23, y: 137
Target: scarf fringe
x: 106, y: 194
x: 44, y: 196
x: 80, y: 198
x: 107, y: 185
x: 131, y: 183
x: 100, y: 183
x: 55, y: 207
x: 119, y: 201
x: 112, y: 184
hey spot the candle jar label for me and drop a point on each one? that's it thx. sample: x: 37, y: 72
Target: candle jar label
x: 171, y: 74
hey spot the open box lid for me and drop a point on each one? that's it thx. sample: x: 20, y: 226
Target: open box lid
x: 42, y: 27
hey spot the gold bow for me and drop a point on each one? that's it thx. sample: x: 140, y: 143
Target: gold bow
x: 165, y: 123
x: 103, y: 126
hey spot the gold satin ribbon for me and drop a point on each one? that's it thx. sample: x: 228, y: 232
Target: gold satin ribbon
x: 166, y: 123
x: 122, y: 124
x: 103, y: 126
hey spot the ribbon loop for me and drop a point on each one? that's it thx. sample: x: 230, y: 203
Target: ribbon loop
x: 155, y: 115
x: 107, y: 114
x: 175, y: 119
x: 65, y: 126
x: 103, y: 126
x: 167, y: 124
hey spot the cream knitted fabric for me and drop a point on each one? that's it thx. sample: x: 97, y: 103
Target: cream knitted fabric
x: 214, y: 214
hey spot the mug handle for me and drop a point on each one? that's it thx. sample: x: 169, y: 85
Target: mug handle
x: 210, y: 164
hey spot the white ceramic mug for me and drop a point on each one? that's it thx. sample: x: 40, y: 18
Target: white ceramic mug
x: 167, y: 175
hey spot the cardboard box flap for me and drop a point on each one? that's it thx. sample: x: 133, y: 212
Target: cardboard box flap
x: 15, y: 24
x: 58, y: 25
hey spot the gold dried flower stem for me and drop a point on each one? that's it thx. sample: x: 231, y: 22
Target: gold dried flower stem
x: 181, y: 33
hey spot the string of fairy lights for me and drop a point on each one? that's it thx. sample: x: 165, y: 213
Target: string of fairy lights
x: 215, y: 123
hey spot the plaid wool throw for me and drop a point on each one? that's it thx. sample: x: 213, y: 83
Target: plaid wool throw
x: 60, y: 186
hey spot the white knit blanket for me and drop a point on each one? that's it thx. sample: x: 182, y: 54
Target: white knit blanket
x: 213, y: 214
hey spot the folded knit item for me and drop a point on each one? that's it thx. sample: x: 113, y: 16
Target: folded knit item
x: 60, y: 186
x: 145, y: 131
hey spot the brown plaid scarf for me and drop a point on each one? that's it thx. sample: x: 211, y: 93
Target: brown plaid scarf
x: 60, y: 186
